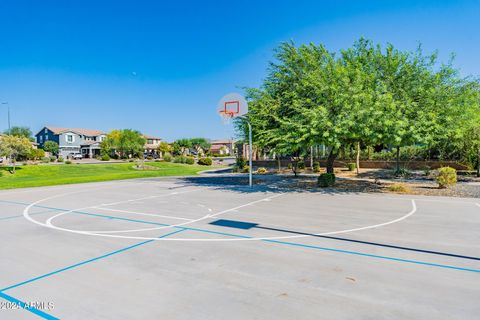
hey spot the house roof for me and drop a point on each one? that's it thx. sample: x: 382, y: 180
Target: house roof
x: 85, y: 132
x: 146, y: 136
x: 225, y: 141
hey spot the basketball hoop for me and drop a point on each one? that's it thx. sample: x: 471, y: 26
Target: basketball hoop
x: 231, y: 106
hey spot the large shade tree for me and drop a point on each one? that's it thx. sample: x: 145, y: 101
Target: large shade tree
x: 14, y: 147
x: 363, y: 95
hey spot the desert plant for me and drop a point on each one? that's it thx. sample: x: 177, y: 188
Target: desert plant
x: 246, y: 169
x: 262, y: 170
x: 399, y: 187
x: 316, y: 167
x: 190, y: 160
x: 289, y: 166
x: 105, y: 157
x: 351, y: 166
x: 326, y: 180
x: 446, y: 177
x: 205, y: 161
x: 60, y: 159
x: 68, y: 162
x: 53, y: 158
x: 46, y: 159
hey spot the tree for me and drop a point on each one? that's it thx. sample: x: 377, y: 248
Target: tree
x: 125, y: 142
x: 365, y: 95
x: 164, y: 148
x: 51, y: 146
x: 201, y: 145
x: 14, y: 147
x: 181, y: 146
x: 20, y: 132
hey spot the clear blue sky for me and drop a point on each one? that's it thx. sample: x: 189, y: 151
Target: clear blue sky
x: 160, y: 67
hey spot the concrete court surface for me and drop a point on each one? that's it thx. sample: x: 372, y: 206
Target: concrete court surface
x: 185, y: 249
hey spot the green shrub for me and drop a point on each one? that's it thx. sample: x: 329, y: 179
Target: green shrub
x: 205, y: 161
x: 326, y: 180
x: 240, y: 163
x: 289, y: 166
x: 262, y: 170
x: 190, y: 160
x: 316, y: 167
x: 68, y: 162
x: 301, y: 165
x: 180, y: 159
x: 149, y: 158
x: 60, y: 159
x: 45, y: 159
x: 36, y: 154
x: 351, y: 166
x: 105, y: 157
x: 447, y: 176
x: 53, y: 158
x: 246, y: 169
x: 167, y: 157
x: 403, y: 172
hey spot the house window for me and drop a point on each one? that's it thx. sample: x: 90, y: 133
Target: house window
x: 70, y: 138
x: 41, y: 139
x: 46, y: 137
x: 46, y: 130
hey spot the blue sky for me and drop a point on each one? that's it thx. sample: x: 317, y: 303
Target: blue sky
x: 160, y: 67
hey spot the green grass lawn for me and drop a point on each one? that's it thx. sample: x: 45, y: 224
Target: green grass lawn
x: 48, y: 175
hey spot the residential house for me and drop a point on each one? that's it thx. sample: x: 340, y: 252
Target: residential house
x: 151, y: 146
x: 72, y: 140
x: 222, y: 147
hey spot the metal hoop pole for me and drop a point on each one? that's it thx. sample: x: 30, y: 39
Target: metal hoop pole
x: 250, y: 155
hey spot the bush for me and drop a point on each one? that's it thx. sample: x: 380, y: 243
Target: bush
x: 167, y: 157
x: 326, y: 180
x: 301, y: 165
x: 149, y: 158
x: 447, y: 176
x: 289, y: 166
x: 316, y: 167
x: 45, y: 159
x: 246, y: 169
x: 240, y: 163
x: 53, y: 158
x: 262, y: 170
x: 180, y: 159
x: 205, y: 161
x: 190, y: 160
x: 351, y: 166
x: 105, y: 157
x: 36, y: 154
x: 60, y: 159
x: 399, y: 187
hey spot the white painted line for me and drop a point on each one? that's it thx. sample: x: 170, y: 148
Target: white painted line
x: 109, y: 233
x: 142, y: 214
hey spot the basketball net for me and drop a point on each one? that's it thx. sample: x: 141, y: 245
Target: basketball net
x: 226, y: 117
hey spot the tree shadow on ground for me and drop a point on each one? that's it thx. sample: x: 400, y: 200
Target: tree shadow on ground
x: 279, y: 184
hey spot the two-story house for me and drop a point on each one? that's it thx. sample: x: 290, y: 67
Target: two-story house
x: 72, y: 140
x: 151, y: 145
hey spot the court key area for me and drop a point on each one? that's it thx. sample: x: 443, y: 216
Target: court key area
x: 175, y: 248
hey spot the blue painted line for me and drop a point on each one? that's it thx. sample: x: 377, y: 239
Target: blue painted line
x: 32, y: 214
x: 284, y: 242
x: 26, y: 307
x: 85, y: 262
x: 373, y: 256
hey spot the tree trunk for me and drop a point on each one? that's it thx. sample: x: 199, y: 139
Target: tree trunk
x: 478, y: 162
x: 398, y: 160
x: 311, y: 158
x: 331, y: 159
x: 279, y: 162
x: 13, y: 163
x: 358, y: 157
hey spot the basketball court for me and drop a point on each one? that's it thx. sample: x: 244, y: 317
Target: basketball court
x: 178, y: 248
